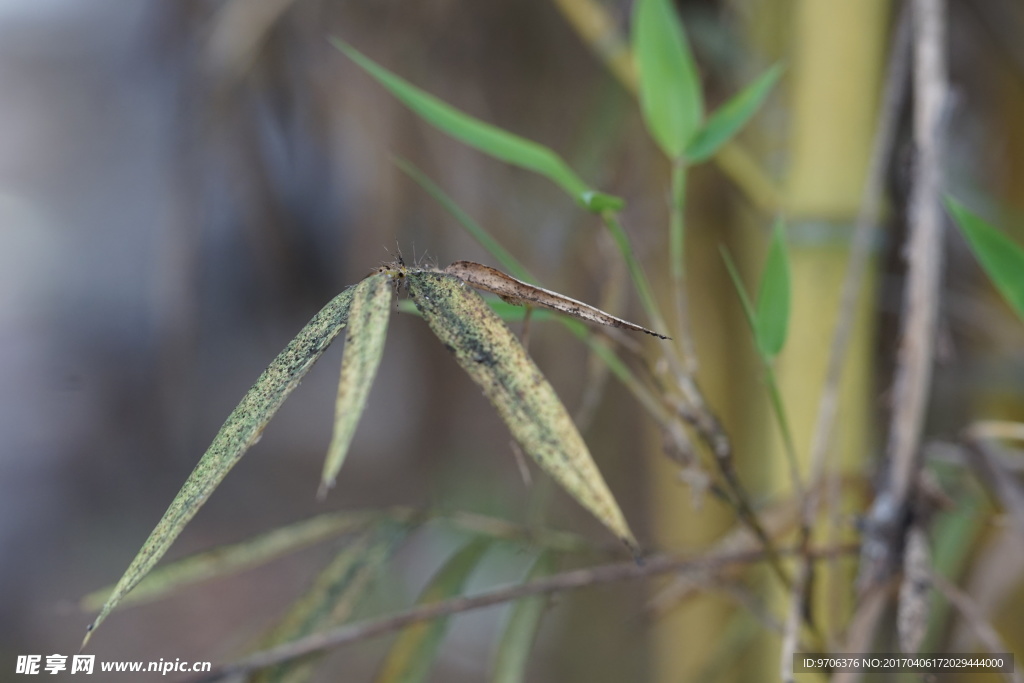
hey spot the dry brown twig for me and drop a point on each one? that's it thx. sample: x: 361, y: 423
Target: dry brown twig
x: 865, y: 230
x: 983, y: 629
x: 888, y: 519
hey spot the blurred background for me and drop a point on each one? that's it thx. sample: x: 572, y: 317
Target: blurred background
x: 183, y: 185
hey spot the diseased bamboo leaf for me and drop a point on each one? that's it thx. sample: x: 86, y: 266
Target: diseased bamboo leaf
x: 670, y: 94
x: 333, y: 597
x: 505, y: 311
x: 364, y: 345
x: 234, y: 558
x: 494, y: 358
x: 415, y: 650
x: 773, y: 297
x: 521, y: 630
x: 1000, y: 256
x: 240, y: 431
x: 728, y: 119
x: 485, y: 137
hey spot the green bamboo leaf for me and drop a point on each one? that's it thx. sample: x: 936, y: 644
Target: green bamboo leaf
x: 333, y: 597
x: 485, y: 137
x: 670, y: 94
x: 231, y: 559
x: 364, y: 345
x: 741, y: 291
x: 722, y: 125
x: 475, y: 230
x: 523, y: 624
x: 413, y: 653
x: 494, y: 358
x: 1000, y: 256
x: 773, y: 297
x: 240, y: 431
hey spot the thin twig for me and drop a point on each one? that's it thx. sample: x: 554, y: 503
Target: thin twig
x: 710, y: 431
x: 861, y: 630
x: 886, y: 522
x: 779, y: 519
x: 982, y: 627
x: 677, y: 267
x: 571, y: 580
x: 864, y: 232
x: 591, y: 21
x: 984, y: 458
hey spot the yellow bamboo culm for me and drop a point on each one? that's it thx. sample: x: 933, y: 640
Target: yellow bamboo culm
x: 836, y: 52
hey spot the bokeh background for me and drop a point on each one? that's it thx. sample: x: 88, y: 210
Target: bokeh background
x: 183, y: 185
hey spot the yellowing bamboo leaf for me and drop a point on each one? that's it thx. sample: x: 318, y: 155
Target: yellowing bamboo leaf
x: 234, y: 558
x: 240, y: 431
x: 364, y: 344
x: 517, y: 292
x: 332, y: 598
x: 414, y: 651
x: 494, y: 358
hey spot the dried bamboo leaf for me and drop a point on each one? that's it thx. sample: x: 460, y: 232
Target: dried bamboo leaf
x: 364, y: 345
x: 493, y: 357
x: 518, y: 293
x: 240, y: 431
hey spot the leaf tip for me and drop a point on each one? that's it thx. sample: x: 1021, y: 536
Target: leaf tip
x: 634, y: 550
x: 88, y: 634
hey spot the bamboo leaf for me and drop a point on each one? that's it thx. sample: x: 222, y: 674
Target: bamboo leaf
x: 493, y: 357
x: 516, y: 291
x: 333, y: 597
x: 231, y: 559
x: 722, y: 125
x: 670, y: 94
x: 505, y: 311
x: 475, y: 230
x: 364, y: 346
x: 414, y: 651
x: 773, y: 297
x: 240, y: 431
x: 489, y: 139
x: 523, y: 624
x: 1000, y: 256
x: 741, y: 291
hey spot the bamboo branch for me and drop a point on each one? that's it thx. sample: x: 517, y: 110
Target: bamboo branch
x: 886, y: 523
x: 982, y: 627
x: 566, y: 581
